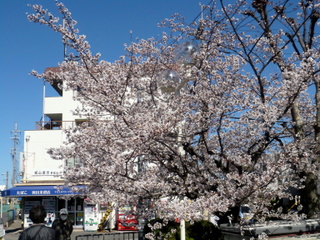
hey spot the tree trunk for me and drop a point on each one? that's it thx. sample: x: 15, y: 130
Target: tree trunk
x: 309, y: 196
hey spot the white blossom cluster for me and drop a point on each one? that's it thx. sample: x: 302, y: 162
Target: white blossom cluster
x: 215, y: 114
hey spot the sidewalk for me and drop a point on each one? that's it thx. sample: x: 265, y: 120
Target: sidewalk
x: 15, y: 226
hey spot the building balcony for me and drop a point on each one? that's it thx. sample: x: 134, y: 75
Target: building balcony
x: 58, y: 125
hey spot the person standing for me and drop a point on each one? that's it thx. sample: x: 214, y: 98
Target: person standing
x: 38, y: 230
x: 62, y: 226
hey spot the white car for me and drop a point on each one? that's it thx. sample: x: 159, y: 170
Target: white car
x: 245, y: 215
x: 2, y: 230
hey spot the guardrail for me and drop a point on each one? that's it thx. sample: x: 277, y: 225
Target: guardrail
x: 112, y: 236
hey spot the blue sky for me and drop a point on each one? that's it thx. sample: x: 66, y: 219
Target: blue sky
x: 25, y: 46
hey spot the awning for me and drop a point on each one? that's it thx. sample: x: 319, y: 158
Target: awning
x: 25, y: 191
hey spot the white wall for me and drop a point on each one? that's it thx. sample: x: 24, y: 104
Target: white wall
x: 38, y: 164
x: 65, y: 105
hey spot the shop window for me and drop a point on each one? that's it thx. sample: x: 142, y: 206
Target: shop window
x: 61, y: 204
x: 75, y: 209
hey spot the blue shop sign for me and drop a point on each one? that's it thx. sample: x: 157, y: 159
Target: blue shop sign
x: 24, y: 191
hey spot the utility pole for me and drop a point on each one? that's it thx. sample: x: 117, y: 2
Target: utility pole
x: 14, y: 150
x: 7, y: 178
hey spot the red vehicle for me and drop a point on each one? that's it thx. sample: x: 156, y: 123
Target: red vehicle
x: 127, y: 222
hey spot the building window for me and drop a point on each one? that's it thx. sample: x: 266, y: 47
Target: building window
x: 74, y: 162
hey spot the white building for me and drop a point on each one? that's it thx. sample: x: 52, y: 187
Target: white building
x: 42, y: 177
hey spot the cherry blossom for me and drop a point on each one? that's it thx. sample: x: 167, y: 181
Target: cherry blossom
x: 216, y: 113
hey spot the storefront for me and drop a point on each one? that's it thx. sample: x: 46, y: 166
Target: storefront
x: 84, y: 214
x: 53, y: 198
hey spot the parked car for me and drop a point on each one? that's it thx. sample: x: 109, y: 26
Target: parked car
x: 2, y: 230
x: 127, y: 222
x: 245, y: 215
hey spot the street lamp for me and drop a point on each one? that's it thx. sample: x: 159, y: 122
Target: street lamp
x: 185, y: 58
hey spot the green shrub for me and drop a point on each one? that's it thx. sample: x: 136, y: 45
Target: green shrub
x: 203, y: 230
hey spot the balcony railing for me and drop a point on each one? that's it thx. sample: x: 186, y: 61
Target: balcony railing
x: 56, y: 125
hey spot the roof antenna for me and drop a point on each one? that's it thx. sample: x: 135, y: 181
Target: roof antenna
x: 131, y: 50
x: 201, y: 25
x: 64, y: 41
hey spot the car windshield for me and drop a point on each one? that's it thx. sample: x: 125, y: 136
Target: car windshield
x: 245, y: 209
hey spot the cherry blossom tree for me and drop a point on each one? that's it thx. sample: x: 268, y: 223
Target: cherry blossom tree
x: 219, y: 112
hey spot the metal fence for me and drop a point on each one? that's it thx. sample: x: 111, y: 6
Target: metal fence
x: 112, y: 236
